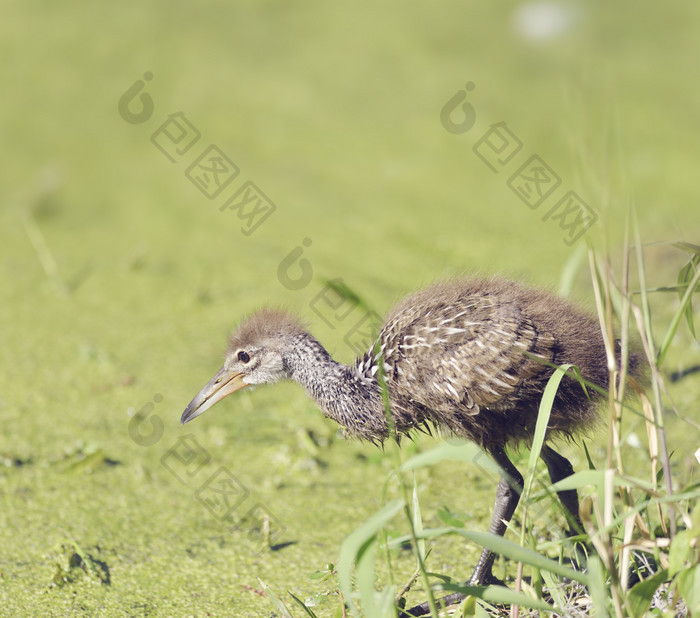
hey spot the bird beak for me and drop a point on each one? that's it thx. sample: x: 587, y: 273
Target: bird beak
x: 221, y: 385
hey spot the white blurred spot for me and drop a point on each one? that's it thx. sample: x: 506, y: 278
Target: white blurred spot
x: 697, y: 455
x: 634, y: 441
x: 539, y: 21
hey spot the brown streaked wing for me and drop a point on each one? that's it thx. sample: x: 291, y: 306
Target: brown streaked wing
x: 473, y: 355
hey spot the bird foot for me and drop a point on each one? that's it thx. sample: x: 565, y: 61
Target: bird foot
x: 424, y: 608
x: 451, y: 599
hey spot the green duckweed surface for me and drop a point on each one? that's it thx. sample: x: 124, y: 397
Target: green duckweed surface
x: 124, y: 265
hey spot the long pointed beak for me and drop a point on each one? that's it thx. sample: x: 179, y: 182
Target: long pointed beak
x: 221, y: 385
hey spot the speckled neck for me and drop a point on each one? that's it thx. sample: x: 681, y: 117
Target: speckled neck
x: 353, y: 401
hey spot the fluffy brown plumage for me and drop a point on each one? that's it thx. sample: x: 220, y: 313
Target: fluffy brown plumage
x: 469, y: 356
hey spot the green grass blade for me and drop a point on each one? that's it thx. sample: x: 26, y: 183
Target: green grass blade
x: 554, y: 590
x: 641, y: 594
x: 689, y: 586
x: 498, y: 594
x: 597, y: 588
x: 503, y: 547
x: 591, y: 465
x: 597, y: 477
x: 686, y: 246
x: 364, y: 577
x: 275, y: 600
x: 343, y: 290
x: 357, y: 543
x: 301, y: 603
x: 386, y: 603
x: 545, y: 410
x: 418, y: 521
x: 685, y: 277
x: 677, y: 318
x: 571, y: 268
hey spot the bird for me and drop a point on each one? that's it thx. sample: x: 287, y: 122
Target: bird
x: 468, y: 357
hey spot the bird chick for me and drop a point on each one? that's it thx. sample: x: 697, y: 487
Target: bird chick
x: 469, y: 356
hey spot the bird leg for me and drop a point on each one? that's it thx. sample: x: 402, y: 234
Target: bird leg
x: 507, y: 496
x: 559, y: 468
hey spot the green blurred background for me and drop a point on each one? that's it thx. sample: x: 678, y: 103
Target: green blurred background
x: 121, y: 279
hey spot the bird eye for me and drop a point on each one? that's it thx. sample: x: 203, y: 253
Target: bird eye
x: 243, y: 356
